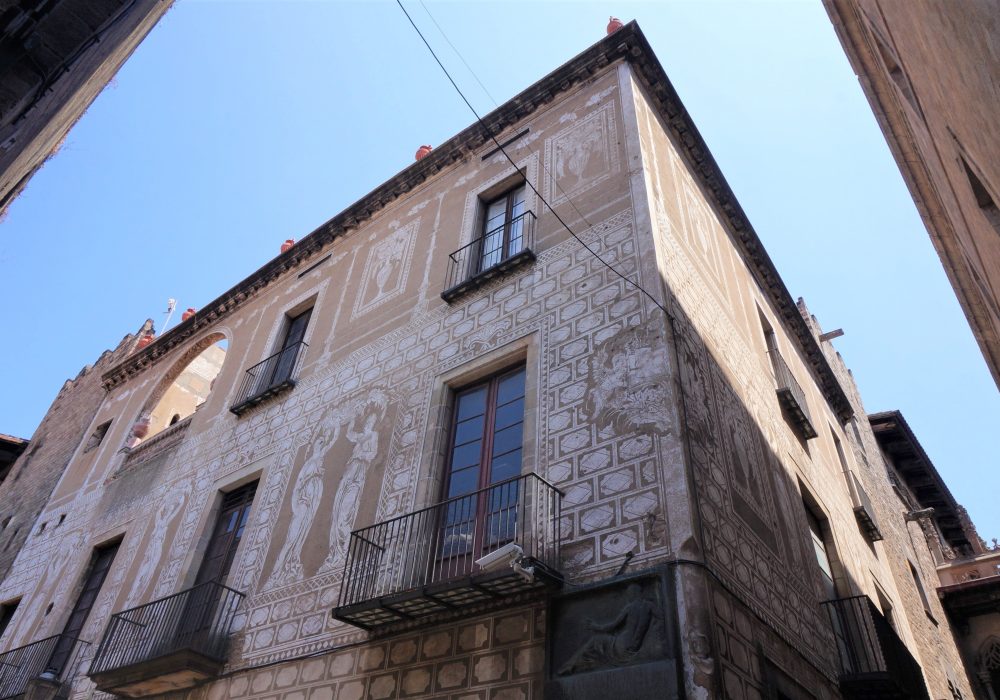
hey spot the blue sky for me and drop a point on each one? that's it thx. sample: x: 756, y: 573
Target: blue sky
x: 236, y: 125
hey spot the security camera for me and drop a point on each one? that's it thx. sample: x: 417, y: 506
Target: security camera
x: 499, y: 558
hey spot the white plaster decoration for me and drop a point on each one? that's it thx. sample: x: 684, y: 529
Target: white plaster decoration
x: 582, y: 155
x: 386, y: 269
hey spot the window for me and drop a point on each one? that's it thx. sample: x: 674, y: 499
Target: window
x: 276, y: 373
x: 201, y: 609
x: 894, y: 69
x: 100, y: 564
x: 503, y: 229
x: 295, y: 332
x: 486, y: 442
x: 502, y: 240
x: 983, y: 197
x: 98, y: 436
x: 921, y: 591
x: 821, y: 551
x: 7, y: 611
x: 885, y: 604
x: 229, y: 526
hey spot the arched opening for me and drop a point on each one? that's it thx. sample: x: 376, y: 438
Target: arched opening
x: 184, y: 389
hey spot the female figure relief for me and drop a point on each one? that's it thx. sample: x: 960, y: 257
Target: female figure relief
x: 154, y: 549
x: 305, y: 501
x: 345, y: 506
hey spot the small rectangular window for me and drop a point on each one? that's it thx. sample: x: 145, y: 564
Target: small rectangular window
x: 97, y: 437
x: 291, y: 347
x: 920, y: 590
x: 7, y: 611
x: 983, y: 196
x: 503, y: 228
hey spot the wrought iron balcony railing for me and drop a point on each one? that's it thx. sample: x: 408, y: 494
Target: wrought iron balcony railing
x: 791, y: 396
x: 874, y: 662
x: 429, y: 561
x: 492, y: 254
x: 59, y: 655
x: 272, y: 376
x: 187, y: 632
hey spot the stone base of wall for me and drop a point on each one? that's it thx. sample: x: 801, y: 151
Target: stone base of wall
x: 494, y: 657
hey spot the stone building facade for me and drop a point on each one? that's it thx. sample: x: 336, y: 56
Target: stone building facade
x: 929, y: 70
x: 543, y: 481
x: 32, y: 476
x: 57, y: 57
x: 968, y: 570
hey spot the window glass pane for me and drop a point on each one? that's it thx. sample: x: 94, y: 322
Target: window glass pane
x: 464, y: 481
x: 509, y: 414
x: 496, y: 213
x: 468, y: 430
x: 507, y: 439
x: 472, y: 403
x: 492, y: 249
x: 506, y: 467
x: 517, y: 200
x: 466, y: 456
x: 511, y: 387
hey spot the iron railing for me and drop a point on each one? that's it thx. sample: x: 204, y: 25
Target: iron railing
x: 442, y: 543
x: 870, y: 651
x: 490, y: 255
x: 790, y: 393
x: 59, y: 655
x: 198, y: 619
x: 267, y: 378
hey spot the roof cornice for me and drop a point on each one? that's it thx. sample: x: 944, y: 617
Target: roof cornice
x: 628, y: 43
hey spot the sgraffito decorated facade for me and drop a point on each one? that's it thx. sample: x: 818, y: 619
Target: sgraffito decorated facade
x: 660, y: 466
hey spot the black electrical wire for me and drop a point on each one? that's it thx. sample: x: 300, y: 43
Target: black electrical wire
x: 511, y: 160
x: 497, y: 104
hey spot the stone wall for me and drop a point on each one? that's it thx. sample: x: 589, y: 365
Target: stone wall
x: 929, y: 70
x: 62, y: 431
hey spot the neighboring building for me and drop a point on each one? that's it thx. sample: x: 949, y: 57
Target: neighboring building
x: 31, y: 478
x: 929, y: 70
x: 55, y: 58
x: 10, y: 449
x: 534, y: 483
x: 968, y: 570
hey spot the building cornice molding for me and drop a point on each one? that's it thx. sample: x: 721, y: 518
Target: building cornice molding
x: 628, y: 44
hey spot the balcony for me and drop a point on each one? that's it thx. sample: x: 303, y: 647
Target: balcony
x: 863, y: 509
x: 169, y: 644
x: 489, y: 256
x: 791, y: 397
x: 874, y: 662
x: 269, y: 378
x: 59, y: 655
x: 424, y: 563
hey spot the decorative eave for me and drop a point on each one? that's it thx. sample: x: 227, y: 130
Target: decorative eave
x: 629, y: 44
x: 897, y: 439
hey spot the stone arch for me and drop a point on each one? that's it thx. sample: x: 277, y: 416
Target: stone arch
x: 172, y: 395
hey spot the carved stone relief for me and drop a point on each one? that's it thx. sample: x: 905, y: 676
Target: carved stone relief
x: 613, y: 636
